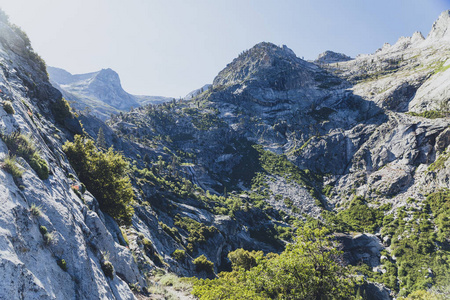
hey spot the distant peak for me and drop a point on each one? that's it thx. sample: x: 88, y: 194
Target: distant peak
x: 269, y: 65
x: 441, y: 27
x: 329, y: 57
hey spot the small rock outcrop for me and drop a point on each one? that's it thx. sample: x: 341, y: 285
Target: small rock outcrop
x: 329, y: 57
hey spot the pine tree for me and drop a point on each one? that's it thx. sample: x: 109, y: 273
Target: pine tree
x: 101, y: 142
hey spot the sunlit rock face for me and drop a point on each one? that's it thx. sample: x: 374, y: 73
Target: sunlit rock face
x: 99, y: 93
x: 65, y: 264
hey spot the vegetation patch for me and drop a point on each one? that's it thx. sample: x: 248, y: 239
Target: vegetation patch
x: 198, y: 232
x: 179, y: 255
x: 62, y: 264
x: 439, y: 163
x: 21, y: 145
x: 7, y: 106
x: 308, y: 269
x: 203, y: 264
x: 108, y: 269
x: 10, y: 165
x: 429, y: 114
x: 104, y: 173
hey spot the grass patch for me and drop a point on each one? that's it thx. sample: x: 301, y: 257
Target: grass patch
x: 10, y: 165
x: 21, y: 145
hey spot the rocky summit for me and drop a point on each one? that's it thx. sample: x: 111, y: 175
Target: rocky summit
x: 278, y: 157
x: 100, y: 93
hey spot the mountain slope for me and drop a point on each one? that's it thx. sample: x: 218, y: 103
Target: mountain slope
x: 52, y: 242
x: 375, y: 128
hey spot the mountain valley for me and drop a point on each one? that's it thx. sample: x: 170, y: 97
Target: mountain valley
x: 209, y: 194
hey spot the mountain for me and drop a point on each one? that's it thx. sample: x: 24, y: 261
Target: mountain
x: 100, y: 92
x: 355, y: 137
x: 358, y: 148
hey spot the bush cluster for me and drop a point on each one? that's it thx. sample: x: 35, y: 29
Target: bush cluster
x: 203, y: 264
x: 179, y: 254
x: 105, y: 175
x: 308, y: 269
x: 10, y: 166
x: 108, y: 269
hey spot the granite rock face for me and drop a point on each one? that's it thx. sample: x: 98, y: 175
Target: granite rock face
x: 65, y: 264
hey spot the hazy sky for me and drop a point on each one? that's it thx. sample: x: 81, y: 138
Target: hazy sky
x: 170, y: 47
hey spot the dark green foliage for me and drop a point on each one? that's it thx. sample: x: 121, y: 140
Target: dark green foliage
x: 360, y: 217
x: 308, y: 269
x: 203, y: 264
x: 244, y: 259
x: 203, y: 121
x: 267, y: 234
x: 21, y: 145
x: 101, y: 142
x: 108, y: 269
x: 421, y: 245
x: 171, y: 231
x: 198, y: 232
x: 62, y: 264
x: 43, y: 230
x: 179, y: 254
x: 61, y: 110
x: 7, y: 106
x: 104, y: 175
x: 39, y: 165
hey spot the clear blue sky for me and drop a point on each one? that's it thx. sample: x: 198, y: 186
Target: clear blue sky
x: 170, y: 47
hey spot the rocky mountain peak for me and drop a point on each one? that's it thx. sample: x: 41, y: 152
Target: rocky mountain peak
x: 328, y: 57
x: 108, y: 75
x: 441, y: 28
x: 268, y: 64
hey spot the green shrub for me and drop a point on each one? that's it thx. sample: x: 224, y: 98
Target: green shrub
x: 35, y: 210
x: 21, y: 145
x: 198, y: 232
x: 203, y: 264
x: 43, y: 230
x: 105, y: 175
x: 61, y: 110
x: 179, y: 254
x: 360, y: 216
x: 10, y: 166
x: 39, y: 165
x: 48, y: 238
x: 310, y: 268
x: 62, y: 264
x: 7, y: 106
x: 108, y: 269
x: 244, y: 259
